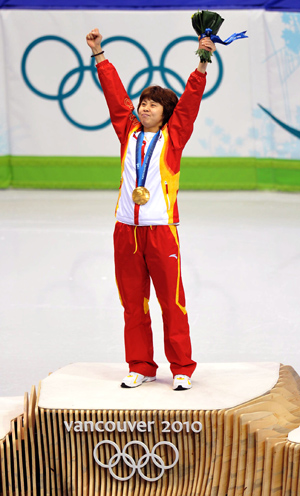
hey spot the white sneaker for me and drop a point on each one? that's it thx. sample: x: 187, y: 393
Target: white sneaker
x: 181, y: 382
x: 134, y: 379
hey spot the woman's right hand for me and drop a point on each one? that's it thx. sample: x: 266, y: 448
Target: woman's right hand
x: 94, y: 39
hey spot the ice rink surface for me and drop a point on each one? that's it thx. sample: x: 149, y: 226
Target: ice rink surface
x: 59, y: 303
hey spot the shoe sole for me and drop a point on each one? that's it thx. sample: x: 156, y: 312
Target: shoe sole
x: 180, y: 388
x: 123, y: 385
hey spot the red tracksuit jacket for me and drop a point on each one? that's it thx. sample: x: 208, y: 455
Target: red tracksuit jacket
x: 164, y: 169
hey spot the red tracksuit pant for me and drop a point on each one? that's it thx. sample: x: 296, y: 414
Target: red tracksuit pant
x: 141, y: 253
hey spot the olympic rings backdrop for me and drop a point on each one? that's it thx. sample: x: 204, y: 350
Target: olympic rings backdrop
x: 54, y: 124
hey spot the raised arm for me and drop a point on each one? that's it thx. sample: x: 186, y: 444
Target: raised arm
x: 119, y: 104
x: 182, y: 121
x: 94, y: 39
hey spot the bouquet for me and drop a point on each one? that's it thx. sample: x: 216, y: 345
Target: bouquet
x: 207, y: 23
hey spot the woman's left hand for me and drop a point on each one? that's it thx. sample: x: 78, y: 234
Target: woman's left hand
x: 206, y: 44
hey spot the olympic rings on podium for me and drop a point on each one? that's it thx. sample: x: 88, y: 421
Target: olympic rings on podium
x: 142, y: 462
x: 62, y: 94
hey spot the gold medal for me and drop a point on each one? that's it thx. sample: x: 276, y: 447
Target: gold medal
x: 140, y: 195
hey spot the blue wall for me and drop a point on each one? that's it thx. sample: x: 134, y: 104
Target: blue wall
x: 279, y: 5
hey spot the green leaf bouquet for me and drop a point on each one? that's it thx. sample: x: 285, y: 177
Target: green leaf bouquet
x: 206, y: 23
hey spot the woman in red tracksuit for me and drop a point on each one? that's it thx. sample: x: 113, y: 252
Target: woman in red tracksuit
x: 145, y: 239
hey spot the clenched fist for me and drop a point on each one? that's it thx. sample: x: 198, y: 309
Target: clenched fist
x: 94, y: 39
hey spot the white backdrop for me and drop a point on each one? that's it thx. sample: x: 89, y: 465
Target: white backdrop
x: 263, y: 69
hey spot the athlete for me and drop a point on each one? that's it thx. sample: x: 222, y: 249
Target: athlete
x: 146, y: 243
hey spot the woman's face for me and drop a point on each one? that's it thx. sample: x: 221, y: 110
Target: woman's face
x: 151, y: 115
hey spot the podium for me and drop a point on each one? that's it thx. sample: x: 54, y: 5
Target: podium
x: 236, y: 432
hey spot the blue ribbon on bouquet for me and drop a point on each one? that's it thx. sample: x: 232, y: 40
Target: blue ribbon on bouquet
x: 217, y: 39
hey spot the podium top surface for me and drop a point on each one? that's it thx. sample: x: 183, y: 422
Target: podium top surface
x: 96, y: 386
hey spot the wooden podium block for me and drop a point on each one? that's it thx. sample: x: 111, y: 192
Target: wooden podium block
x: 11, y: 433
x: 236, y: 443
x: 18, y: 476
x: 240, y: 450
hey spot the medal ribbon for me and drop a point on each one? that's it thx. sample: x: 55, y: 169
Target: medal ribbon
x: 142, y: 169
x: 217, y: 39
